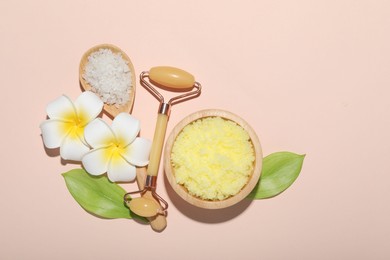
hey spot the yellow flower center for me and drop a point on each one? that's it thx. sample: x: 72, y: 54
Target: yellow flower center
x: 115, y: 150
x: 75, y: 124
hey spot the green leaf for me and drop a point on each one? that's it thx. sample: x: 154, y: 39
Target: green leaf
x: 280, y: 170
x: 97, y: 195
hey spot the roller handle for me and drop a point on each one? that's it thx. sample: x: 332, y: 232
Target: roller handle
x: 157, y: 145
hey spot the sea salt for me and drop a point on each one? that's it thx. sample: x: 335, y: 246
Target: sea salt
x: 109, y: 76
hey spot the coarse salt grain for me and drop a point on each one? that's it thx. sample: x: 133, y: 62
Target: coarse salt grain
x: 109, y: 76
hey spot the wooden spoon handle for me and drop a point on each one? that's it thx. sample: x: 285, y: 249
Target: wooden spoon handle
x: 141, y: 177
x: 158, y: 222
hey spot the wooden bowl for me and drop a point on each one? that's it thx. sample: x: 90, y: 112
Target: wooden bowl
x: 182, y: 191
x: 112, y: 110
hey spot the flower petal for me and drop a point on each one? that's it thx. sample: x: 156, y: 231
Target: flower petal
x: 53, y: 132
x: 72, y: 148
x: 125, y: 127
x: 88, y: 106
x: 96, y: 161
x: 61, y: 108
x: 121, y: 171
x: 137, y: 153
x: 98, y: 133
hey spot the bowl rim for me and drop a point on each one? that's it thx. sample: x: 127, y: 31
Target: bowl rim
x: 181, y: 191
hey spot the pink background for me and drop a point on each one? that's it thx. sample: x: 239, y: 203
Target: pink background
x: 311, y: 77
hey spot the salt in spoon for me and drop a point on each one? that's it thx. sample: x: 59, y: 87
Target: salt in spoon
x: 111, y: 110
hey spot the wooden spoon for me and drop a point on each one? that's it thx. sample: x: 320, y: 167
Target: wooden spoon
x: 159, y: 222
x: 111, y: 110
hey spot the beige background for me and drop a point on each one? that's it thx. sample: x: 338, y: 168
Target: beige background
x: 309, y: 76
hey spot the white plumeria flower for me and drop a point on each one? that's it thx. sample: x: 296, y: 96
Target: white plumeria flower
x: 65, y: 128
x: 116, y: 149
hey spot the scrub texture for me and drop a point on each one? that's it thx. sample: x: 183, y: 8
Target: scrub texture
x: 213, y: 158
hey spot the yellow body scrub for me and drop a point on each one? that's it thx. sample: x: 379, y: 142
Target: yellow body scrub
x: 213, y: 158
